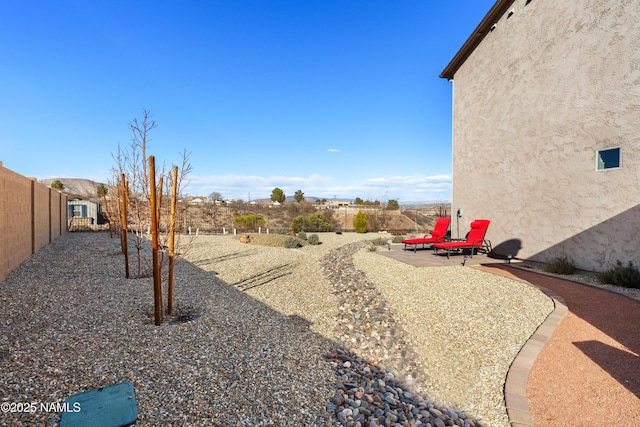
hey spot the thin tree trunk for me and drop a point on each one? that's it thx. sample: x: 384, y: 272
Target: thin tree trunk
x: 157, y: 280
x: 172, y: 233
x: 125, y: 239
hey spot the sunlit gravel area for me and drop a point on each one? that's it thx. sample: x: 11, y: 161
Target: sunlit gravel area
x: 263, y: 333
x: 465, y: 325
x: 287, y: 280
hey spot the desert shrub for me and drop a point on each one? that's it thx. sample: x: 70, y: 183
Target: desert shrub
x: 393, y: 205
x: 628, y: 277
x: 292, y: 242
x: 280, y: 230
x: 302, y: 235
x: 560, y: 265
x: 397, y: 239
x: 372, y: 247
x: 248, y: 222
x: 315, y: 221
x: 314, y: 239
x: 297, y: 224
x: 360, y: 223
x: 379, y: 241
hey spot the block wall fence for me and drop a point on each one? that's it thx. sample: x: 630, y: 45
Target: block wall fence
x: 32, y: 215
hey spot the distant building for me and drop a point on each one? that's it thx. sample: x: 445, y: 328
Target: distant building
x: 84, y: 213
x: 337, y: 204
x: 198, y: 201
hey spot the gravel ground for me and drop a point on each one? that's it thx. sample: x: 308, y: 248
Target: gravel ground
x: 465, y: 325
x: 254, y: 339
x: 71, y: 322
x: 580, y: 276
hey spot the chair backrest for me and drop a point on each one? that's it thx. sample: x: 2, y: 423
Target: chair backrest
x: 478, y: 230
x: 440, y: 229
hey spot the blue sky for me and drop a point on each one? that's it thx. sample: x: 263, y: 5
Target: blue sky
x: 334, y: 98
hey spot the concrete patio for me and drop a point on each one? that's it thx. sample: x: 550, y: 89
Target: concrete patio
x: 427, y: 258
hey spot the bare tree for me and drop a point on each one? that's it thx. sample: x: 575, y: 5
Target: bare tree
x: 131, y: 162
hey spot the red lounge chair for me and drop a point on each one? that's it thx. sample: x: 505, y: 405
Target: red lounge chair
x: 437, y: 235
x: 475, y: 241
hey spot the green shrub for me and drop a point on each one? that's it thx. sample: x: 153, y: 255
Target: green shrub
x: 315, y: 221
x: 379, y: 241
x: 372, y: 247
x: 628, y: 277
x: 302, y: 235
x: 360, y: 222
x: 397, y: 239
x: 314, y: 239
x: 393, y: 205
x: 292, y: 242
x: 248, y: 222
x: 297, y: 224
x: 280, y: 230
x: 560, y: 265
x: 57, y: 184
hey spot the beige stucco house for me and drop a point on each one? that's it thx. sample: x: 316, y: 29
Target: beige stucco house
x: 546, y: 130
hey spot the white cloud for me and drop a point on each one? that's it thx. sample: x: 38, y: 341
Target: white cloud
x: 333, y: 150
x: 404, y: 188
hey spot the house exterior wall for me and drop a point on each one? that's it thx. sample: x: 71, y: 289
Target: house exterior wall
x: 91, y: 209
x: 26, y: 221
x: 548, y: 87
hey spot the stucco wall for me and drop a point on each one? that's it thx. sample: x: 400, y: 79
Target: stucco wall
x: 546, y: 89
x: 31, y: 216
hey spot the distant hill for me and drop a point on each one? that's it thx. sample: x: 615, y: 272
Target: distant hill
x: 83, y: 188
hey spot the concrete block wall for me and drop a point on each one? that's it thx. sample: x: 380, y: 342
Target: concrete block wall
x: 41, y: 223
x: 32, y: 215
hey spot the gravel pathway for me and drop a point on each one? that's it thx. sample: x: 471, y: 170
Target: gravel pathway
x: 321, y: 335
